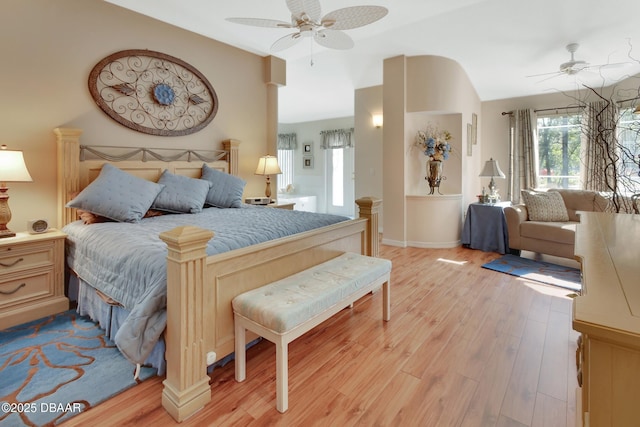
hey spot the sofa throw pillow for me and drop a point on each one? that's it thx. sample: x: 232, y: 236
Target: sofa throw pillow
x: 545, y: 206
x: 117, y: 195
x: 181, y: 194
x: 226, y: 190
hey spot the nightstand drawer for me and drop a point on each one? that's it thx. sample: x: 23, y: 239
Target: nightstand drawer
x: 26, y: 288
x: 23, y: 256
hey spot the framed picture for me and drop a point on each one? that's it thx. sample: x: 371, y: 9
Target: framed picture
x: 469, y: 139
x: 307, y: 148
x: 307, y: 162
x: 474, y: 128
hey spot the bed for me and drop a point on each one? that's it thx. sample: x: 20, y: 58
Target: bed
x: 200, y: 285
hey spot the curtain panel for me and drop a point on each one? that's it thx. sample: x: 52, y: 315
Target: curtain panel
x: 600, y: 159
x: 523, y: 153
x: 287, y: 141
x: 337, y: 138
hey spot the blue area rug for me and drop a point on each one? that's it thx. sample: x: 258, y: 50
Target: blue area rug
x: 56, y: 367
x: 539, y: 271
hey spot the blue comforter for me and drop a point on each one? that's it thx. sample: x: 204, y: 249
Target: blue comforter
x: 128, y: 261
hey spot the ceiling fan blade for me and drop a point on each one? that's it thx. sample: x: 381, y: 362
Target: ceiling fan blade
x: 353, y: 17
x: 286, y: 42
x: 553, y: 73
x: 311, y: 8
x: 333, y: 39
x: 553, y: 76
x: 257, y: 22
x: 612, y: 65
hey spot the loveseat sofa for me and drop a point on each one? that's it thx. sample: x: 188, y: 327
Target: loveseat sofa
x: 544, y: 226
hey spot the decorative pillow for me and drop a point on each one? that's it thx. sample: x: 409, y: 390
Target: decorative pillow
x: 226, y: 190
x: 117, y: 195
x: 545, y: 206
x: 181, y: 194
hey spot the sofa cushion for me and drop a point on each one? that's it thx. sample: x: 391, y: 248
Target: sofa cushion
x: 558, y: 232
x: 545, y: 206
x: 581, y: 200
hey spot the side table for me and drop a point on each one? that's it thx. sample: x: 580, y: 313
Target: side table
x: 485, y: 227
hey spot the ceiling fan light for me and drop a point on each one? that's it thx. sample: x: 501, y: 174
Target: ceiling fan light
x: 328, y: 23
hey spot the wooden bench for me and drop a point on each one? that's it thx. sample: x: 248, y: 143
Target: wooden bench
x: 284, y: 310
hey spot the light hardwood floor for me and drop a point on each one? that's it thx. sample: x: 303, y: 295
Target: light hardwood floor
x: 465, y: 346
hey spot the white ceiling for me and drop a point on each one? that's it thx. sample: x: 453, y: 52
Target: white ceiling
x: 498, y: 42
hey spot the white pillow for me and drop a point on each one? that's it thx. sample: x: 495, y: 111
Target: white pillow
x: 545, y: 206
x: 117, y: 195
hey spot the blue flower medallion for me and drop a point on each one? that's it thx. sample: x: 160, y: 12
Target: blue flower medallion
x: 163, y: 94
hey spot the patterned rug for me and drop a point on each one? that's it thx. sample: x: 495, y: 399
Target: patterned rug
x: 539, y: 271
x: 56, y: 367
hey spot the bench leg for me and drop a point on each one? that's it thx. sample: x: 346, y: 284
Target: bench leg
x: 241, y: 357
x: 282, y: 375
x: 386, y: 301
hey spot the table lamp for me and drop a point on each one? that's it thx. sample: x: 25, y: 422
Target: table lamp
x: 12, y: 169
x: 267, y: 166
x: 492, y: 169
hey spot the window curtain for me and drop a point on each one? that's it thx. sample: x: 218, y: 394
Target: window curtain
x: 599, y: 155
x: 523, y: 153
x: 338, y: 138
x: 287, y: 141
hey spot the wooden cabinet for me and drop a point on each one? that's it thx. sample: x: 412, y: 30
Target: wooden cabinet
x: 31, y: 277
x: 608, y: 316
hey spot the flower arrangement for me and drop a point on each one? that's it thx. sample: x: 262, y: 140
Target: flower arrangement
x: 434, y: 143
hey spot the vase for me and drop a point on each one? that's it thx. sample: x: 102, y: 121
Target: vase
x: 434, y: 175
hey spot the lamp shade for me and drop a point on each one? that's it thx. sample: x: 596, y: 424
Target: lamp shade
x: 491, y: 169
x: 12, y: 167
x: 268, y: 165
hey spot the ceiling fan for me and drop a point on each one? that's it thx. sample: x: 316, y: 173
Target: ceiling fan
x: 573, y: 66
x: 326, y: 31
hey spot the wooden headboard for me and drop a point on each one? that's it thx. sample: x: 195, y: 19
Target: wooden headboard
x: 78, y: 165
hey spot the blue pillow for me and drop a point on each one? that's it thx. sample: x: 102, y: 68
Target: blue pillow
x: 181, y: 194
x: 117, y: 195
x: 226, y: 190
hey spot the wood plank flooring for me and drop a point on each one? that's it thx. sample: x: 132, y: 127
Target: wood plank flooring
x: 465, y: 346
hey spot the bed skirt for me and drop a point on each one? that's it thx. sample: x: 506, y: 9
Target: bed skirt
x: 109, y: 317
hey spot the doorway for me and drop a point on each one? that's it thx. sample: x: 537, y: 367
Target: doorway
x: 340, y: 181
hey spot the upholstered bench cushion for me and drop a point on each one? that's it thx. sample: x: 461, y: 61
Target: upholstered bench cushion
x: 281, y: 306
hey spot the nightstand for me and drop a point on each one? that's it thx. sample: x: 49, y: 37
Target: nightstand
x: 485, y: 227
x: 31, y: 277
x: 287, y: 206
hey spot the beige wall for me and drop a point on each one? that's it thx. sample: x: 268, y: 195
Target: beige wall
x: 48, y: 49
x: 419, y: 91
x: 368, y: 162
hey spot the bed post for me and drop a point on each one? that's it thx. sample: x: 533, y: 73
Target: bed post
x: 232, y: 146
x: 370, y: 209
x: 68, y: 175
x: 186, y: 388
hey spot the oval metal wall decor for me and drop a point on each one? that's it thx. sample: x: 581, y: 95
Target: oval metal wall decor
x: 153, y: 92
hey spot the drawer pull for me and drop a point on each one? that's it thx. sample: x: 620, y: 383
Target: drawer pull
x: 20, y: 286
x: 12, y: 264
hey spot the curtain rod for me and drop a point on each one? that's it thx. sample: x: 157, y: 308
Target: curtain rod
x: 509, y: 113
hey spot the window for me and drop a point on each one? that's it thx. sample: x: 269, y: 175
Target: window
x: 628, y: 141
x: 559, y: 139
x: 287, y: 144
x: 285, y: 161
